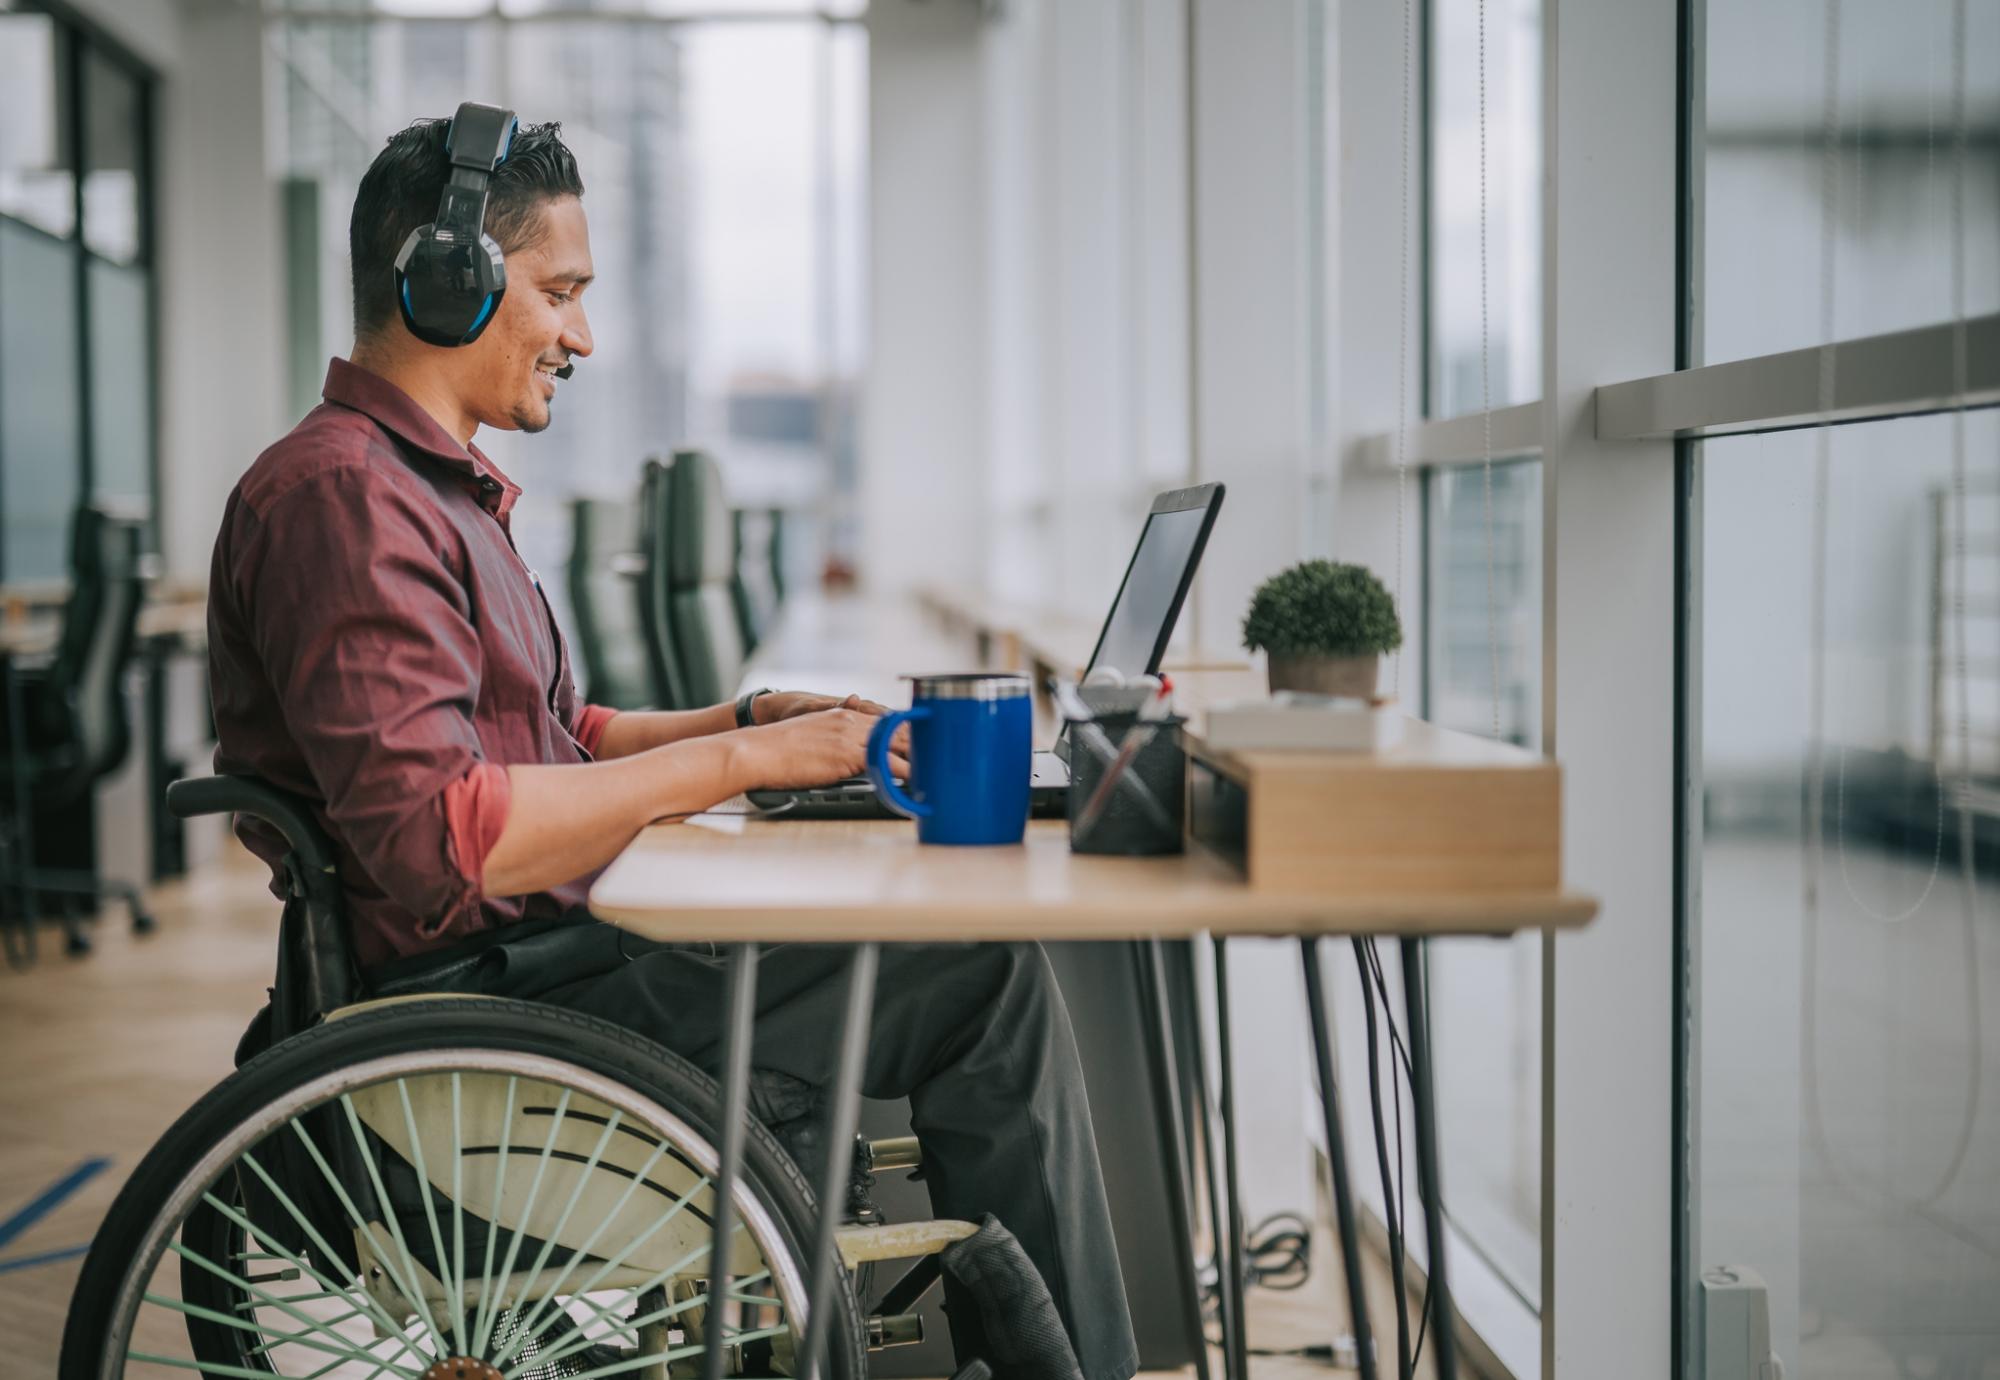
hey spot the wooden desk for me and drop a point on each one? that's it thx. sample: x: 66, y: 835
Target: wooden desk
x: 748, y: 881
x: 182, y: 622
x: 777, y: 881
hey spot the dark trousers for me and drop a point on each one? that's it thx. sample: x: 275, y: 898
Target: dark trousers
x: 977, y: 1037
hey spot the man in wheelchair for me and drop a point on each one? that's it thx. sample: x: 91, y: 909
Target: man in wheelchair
x: 379, y: 649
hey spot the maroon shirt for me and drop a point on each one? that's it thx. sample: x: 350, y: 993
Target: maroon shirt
x: 377, y: 645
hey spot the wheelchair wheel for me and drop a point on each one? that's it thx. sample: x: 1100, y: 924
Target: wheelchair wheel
x: 438, y: 1189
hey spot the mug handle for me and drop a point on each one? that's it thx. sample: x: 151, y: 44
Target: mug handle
x: 878, y: 763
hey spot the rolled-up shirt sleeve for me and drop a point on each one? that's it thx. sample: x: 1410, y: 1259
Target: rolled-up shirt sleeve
x: 366, y: 633
x: 591, y: 721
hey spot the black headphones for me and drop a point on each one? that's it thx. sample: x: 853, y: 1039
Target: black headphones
x: 450, y: 275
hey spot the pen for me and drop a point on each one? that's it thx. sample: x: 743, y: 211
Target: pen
x: 1136, y: 737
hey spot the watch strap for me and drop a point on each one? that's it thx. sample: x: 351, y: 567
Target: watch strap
x: 745, y: 716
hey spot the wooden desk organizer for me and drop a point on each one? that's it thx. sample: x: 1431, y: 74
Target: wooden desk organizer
x: 1440, y: 813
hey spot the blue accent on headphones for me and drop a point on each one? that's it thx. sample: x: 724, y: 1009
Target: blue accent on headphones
x: 450, y: 275
x: 486, y: 310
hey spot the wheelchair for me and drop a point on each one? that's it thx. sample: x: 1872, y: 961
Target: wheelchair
x: 464, y: 1188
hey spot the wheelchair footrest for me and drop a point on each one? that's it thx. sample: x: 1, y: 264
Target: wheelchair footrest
x: 900, y: 1240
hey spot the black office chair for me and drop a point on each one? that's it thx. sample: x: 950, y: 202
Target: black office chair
x: 73, y: 710
x: 606, y: 567
x: 701, y: 569
x: 755, y: 586
x: 670, y: 681
x: 775, y: 554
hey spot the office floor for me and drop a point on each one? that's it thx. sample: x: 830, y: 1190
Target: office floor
x: 102, y: 1054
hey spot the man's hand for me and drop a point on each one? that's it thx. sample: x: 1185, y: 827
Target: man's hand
x: 780, y: 705
x: 817, y: 747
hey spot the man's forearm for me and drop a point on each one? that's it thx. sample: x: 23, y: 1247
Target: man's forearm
x: 564, y: 821
x: 640, y: 730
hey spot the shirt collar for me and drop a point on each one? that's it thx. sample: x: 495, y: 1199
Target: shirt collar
x: 389, y: 407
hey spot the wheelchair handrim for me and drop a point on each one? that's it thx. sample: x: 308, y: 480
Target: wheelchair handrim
x: 327, y: 1088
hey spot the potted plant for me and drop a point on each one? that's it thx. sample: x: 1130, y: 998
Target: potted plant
x: 1323, y: 627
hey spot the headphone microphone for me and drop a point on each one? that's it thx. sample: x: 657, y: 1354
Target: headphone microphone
x: 450, y: 275
x: 565, y: 371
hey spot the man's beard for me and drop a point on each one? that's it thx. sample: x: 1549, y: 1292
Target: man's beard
x: 531, y: 422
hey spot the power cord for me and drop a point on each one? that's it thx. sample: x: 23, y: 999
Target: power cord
x: 1395, y: 1202
x: 1277, y: 1255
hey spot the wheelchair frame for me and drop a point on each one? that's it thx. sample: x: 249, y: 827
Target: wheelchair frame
x: 317, y: 984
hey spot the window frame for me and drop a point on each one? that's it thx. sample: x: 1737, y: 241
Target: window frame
x: 79, y: 39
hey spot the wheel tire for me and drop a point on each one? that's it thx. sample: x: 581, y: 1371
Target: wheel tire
x: 121, y: 1260
x: 215, y: 1236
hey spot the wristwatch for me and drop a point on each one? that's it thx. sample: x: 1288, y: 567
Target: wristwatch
x: 745, y: 718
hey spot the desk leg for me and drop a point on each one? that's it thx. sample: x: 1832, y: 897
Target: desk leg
x: 1336, y: 1158
x: 843, y: 1115
x: 1194, y: 1056
x: 1173, y: 1146
x: 1422, y: 1094
x: 23, y: 840
x: 738, y: 1027
x: 1229, y: 1275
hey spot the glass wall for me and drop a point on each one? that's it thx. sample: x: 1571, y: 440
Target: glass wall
x: 1510, y: 50
x: 1844, y: 709
x: 76, y: 319
x: 723, y: 173
x: 1763, y: 153
x: 1483, y: 595
x: 1485, y: 616
x: 1844, y: 1084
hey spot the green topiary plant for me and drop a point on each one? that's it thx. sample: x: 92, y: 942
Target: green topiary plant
x: 1322, y: 608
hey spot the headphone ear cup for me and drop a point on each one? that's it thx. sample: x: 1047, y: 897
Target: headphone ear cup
x: 448, y: 292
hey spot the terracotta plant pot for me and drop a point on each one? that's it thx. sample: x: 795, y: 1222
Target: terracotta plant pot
x: 1353, y: 677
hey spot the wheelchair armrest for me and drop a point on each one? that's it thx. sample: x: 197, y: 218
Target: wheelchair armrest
x: 247, y: 795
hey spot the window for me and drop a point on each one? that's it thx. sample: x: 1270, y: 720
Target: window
x: 1761, y: 163
x: 1841, y: 1058
x: 37, y: 139
x: 1486, y: 620
x: 1843, y: 722
x: 722, y: 164
x: 41, y: 422
x: 1512, y: 252
x: 76, y: 333
x: 1482, y: 605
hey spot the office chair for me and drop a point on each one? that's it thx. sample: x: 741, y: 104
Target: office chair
x: 775, y: 554
x: 606, y: 566
x: 756, y: 583
x: 74, y: 712
x: 701, y: 569
x: 663, y: 656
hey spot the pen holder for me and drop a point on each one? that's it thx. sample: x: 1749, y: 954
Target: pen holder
x: 1126, y: 827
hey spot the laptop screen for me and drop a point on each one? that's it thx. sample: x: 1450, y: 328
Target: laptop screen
x: 1142, y: 620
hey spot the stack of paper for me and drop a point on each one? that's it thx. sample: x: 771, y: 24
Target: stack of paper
x: 1291, y: 721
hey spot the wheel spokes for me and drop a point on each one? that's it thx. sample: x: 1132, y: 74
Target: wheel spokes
x: 276, y: 1297
x: 414, y: 1295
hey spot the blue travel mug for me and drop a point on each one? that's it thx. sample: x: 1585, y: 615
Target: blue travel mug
x: 971, y: 758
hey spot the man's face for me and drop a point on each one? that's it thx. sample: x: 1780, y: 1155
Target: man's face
x: 538, y: 328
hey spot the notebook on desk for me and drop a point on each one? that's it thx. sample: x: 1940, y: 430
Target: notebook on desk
x: 1133, y: 640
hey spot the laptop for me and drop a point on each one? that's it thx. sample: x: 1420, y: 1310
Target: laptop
x: 1133, y: 640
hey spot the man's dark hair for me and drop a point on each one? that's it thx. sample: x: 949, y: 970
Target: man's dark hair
x: 400, y: 192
